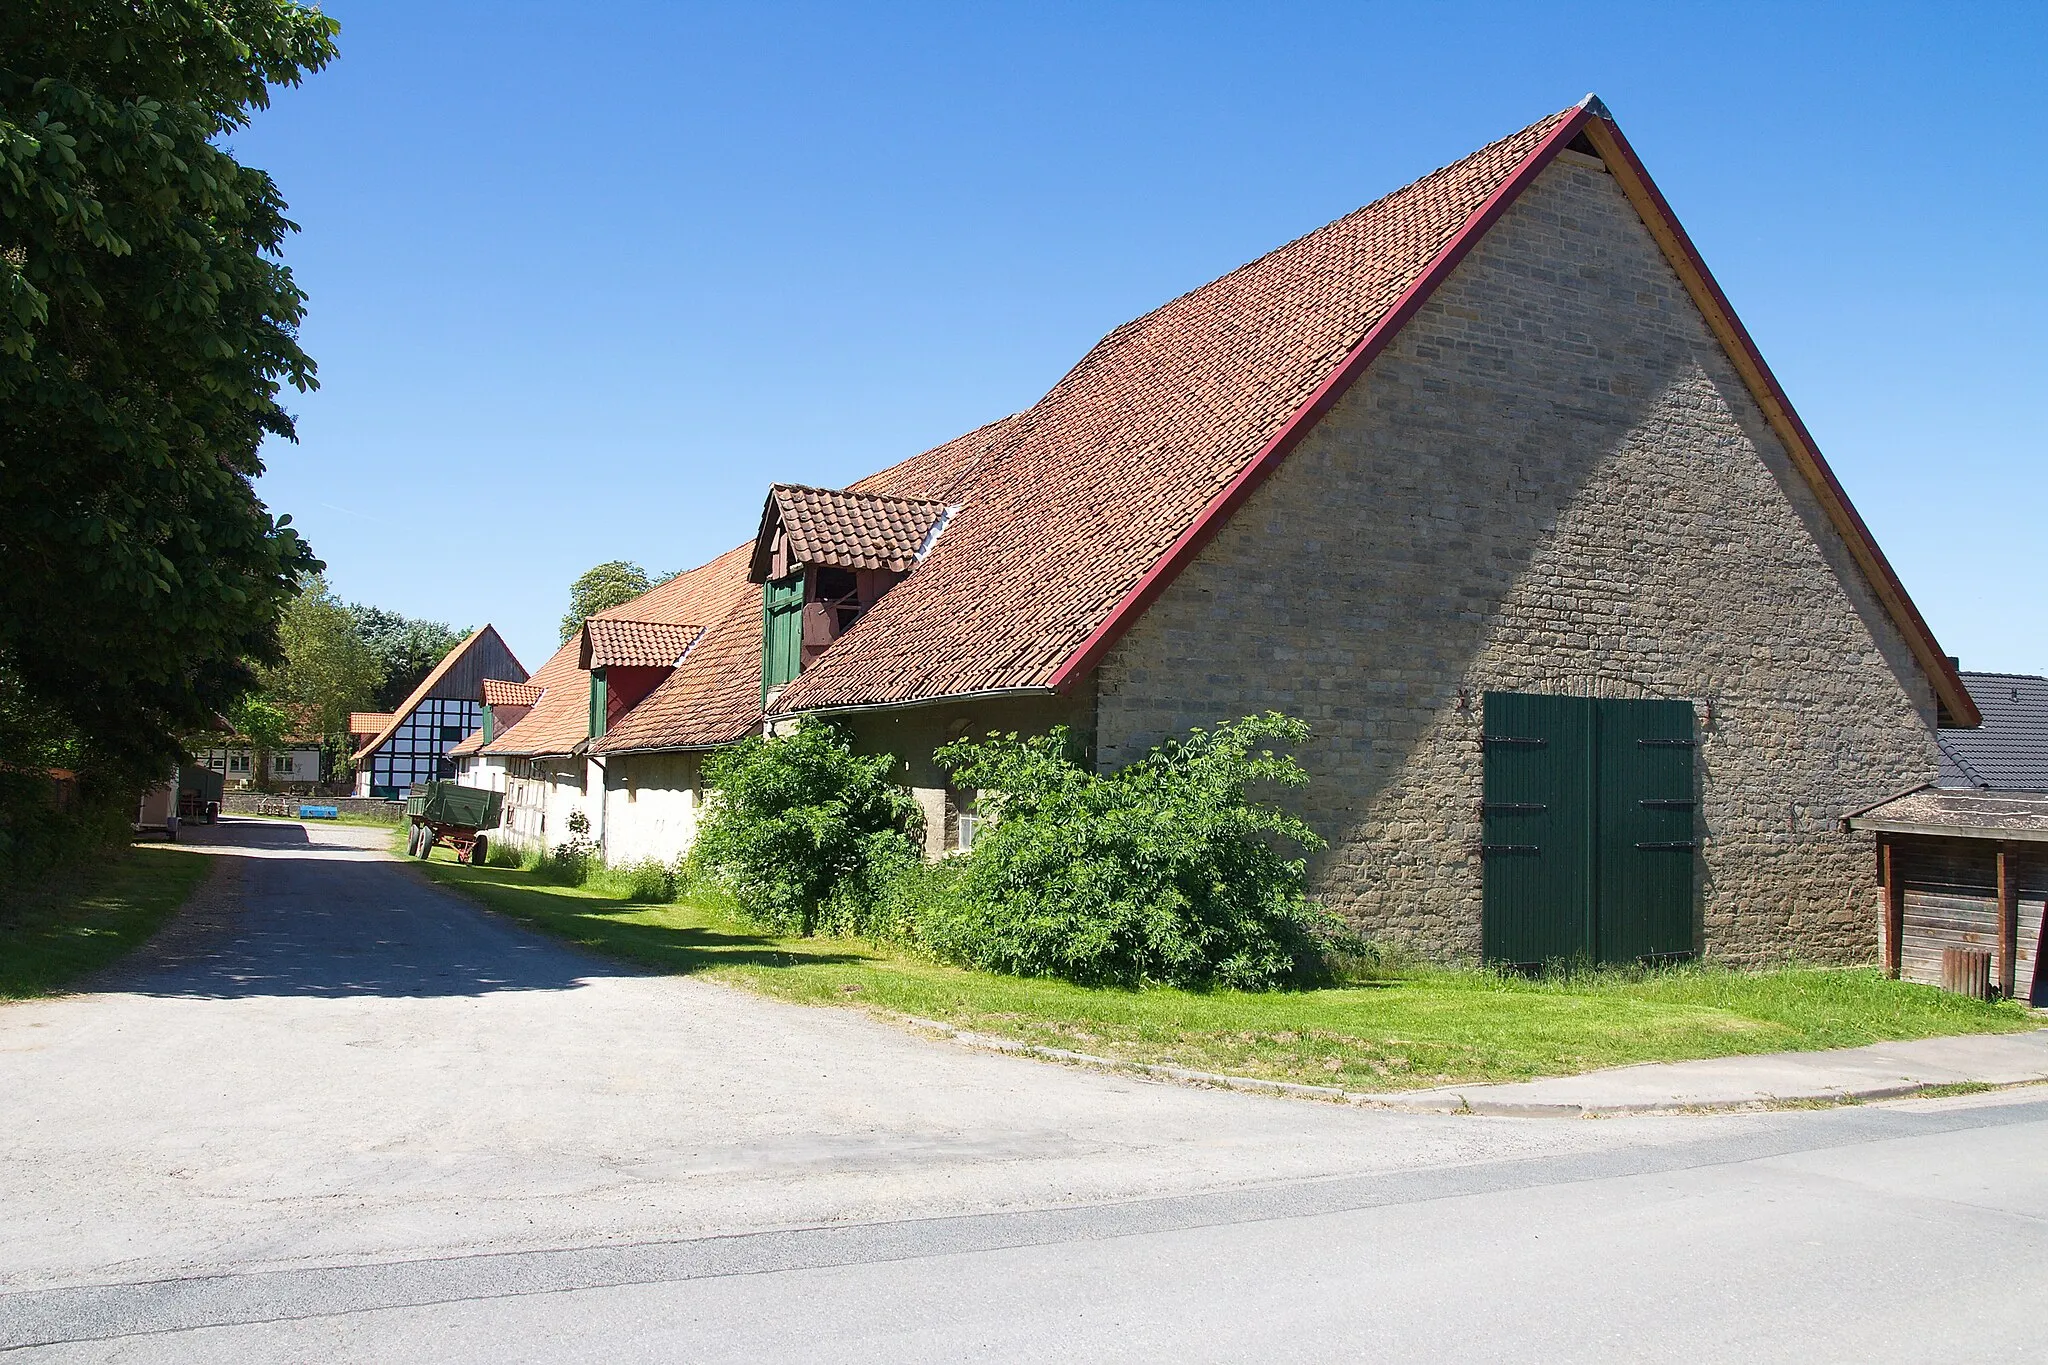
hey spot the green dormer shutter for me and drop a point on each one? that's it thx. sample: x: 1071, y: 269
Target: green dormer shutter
x: 782, y: 627
x: 597, y: 703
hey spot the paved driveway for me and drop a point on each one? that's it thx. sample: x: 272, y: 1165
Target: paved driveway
x: 377, y: 1095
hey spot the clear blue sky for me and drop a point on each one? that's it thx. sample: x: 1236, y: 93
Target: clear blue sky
x: 585, y: 278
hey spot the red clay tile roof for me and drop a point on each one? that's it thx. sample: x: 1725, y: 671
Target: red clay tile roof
x: 1078, y: 496
x: 848, y: 529
x: 938, y: 473
x: 610, y: 642
x: 369, y: 722
x: 714, y: 697
x: 560, y: 719
x: 499, y: 692
x: 710, y: 592
x: 471, y: 742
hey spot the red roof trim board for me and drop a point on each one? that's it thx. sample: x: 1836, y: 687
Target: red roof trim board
x: 1590, y: 118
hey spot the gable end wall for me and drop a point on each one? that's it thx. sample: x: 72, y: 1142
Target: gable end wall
x: 1552, y: 481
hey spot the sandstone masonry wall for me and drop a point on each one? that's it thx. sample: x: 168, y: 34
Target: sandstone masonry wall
x: 1553, y: 481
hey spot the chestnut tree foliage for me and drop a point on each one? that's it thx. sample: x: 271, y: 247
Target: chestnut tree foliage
x: 147, y: 331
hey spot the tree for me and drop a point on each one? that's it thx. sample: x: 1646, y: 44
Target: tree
x: 264, y: 725
x: 611, y: 584
x: 147, y: 328
x: 409, y: 648
x: 328, y: 669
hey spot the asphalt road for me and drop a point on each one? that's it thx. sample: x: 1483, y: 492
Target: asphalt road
x: 337, y: 1114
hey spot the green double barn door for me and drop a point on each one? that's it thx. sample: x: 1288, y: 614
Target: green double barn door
x: 1588, y: 837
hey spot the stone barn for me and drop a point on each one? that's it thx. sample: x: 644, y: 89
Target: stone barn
x: 1485, y: 481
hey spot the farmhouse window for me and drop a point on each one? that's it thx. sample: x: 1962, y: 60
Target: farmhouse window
x: 1588, y: 820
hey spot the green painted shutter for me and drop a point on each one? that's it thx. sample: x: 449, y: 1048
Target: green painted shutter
x: 1537, y: 841
x: 782, y: 607
x: 598, y: 703
x: 1647, y: 829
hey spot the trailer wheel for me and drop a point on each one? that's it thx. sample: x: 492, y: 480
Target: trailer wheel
x: 479, y: 851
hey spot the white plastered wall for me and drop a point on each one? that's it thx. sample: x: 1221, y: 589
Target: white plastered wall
x: 652, y: 803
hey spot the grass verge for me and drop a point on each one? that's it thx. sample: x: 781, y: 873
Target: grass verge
x: 1418, y: 1028
x: 78, y: 920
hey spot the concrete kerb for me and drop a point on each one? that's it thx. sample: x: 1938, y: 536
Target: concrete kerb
x: 1440, y: 1101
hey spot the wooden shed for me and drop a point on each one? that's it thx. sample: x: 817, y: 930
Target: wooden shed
x: 1965, y: 887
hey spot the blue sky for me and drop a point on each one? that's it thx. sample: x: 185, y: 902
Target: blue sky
x: 586, y: 278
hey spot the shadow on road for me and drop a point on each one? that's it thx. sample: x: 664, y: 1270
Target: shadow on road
x: 610, y: 927
x: 295, y: 920
x: 318, y: 914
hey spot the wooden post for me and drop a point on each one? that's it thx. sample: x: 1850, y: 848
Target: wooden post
x: 1894, y: 912
x: 2008, y: 924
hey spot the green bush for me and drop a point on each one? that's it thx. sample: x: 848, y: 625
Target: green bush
x: 571, y: 861
x: 803, y: 833
x: 649, y: 882
x: 505, y: 855
x: 1164, y: 871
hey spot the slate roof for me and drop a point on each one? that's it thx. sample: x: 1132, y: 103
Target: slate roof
x: 2009, y: 751
x: 1949, y: 813
x: 850, y: 530
x: 499, y: 692
x: 613, y: 642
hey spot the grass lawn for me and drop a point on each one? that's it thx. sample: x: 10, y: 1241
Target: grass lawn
x: 58, y: 929
x: 1419, y: 1028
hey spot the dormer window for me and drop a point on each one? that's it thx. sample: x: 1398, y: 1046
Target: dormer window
x: 627, y: 660
x: 823, y: 558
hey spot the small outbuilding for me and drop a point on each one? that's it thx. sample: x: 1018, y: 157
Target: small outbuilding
x: 1963, y: 865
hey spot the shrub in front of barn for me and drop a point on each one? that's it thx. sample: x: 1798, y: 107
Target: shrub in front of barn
x: 804, y: 834
x: 1167, y: 870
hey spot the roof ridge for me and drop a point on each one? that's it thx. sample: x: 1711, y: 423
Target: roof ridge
x: 857, y: 493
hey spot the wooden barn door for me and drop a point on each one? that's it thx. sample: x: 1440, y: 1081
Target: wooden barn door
x: 1645, y: 829
x: 1588, y: 829
x: 1537, y: 822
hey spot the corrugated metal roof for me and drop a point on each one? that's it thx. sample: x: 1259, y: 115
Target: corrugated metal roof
x: 2009, y: 751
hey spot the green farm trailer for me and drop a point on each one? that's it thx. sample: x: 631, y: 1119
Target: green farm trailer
x: 452, y: 814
